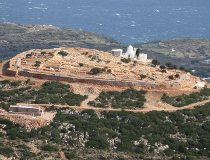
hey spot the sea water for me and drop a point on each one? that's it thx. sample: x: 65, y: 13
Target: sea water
x: 127, y: 21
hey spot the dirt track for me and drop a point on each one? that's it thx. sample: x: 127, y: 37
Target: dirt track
x: 148, y: 107
x: 153, y: 103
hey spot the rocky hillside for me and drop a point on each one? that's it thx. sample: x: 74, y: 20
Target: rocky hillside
x: 16, y: 38
x: 193, y: 48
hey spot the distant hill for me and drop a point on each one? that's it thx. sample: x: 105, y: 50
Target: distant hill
x: 16, y: 38
x: 193, y: 48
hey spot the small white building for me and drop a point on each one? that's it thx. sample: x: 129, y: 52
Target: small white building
x: 19, y: 109
x: 117, y: 52
x: 205, y: 63
x: 142, y: 57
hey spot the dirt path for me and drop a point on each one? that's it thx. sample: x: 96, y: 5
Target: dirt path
x: 63, y: 157
x: 90, y: 98
x: 159, y: 106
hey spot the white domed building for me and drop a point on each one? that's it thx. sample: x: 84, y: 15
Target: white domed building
x: 130, y: 53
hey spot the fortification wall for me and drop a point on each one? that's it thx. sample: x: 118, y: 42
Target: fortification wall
x: 176, y: 84
x: 11, y: 72
x: 74, y: 79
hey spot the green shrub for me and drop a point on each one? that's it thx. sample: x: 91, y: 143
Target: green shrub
x: 23, y: 146
x: 96, y: 70
x: 6, y: 151
x: 92, y: 103
x: 64, y: 130
x: 126, y: 60
x: 28, y: 55
x: 162, y: 67
x: 15, y: 83
x: 5, y: 81
x: 88, y: 111
x: 169, y: 152
x: 1, y: 134
x: 70, y: 155
x: 171, y: 77
x: 51, y: 108
x: 56, y: 136
x: 81, y: 64
x: 155, y: 62
x: 97, y: 142
x: 182, y: 68
x: 143, y: 76
x: 50, y: 148
x: 163, y: 71
x: 27, y: 155
x: 43, y: 52
x: 177, y: 75
x: 51, y: 54
x: 169, y: 65
x: 37, y: 63
x: 63, y: 53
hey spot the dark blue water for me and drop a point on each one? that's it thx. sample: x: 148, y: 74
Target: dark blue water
x: 127, y: 21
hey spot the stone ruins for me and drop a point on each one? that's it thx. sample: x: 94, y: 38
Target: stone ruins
x: 77, y: 64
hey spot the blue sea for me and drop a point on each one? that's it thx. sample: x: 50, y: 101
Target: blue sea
x: 127, y: 21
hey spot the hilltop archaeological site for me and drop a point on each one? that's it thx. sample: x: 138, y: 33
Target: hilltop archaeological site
x: 76, y: 65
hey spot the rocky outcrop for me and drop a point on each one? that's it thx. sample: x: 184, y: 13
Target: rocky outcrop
x: 25, y: 120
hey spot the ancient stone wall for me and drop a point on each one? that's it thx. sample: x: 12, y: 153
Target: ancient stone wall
x: 171, y: 84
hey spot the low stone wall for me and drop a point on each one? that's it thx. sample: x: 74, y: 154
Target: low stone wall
x: 93, y: 80
x: 74, y: 79
x: 11, y: 72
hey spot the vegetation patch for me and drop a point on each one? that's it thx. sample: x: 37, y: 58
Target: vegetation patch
x: 51, y: 148
x: 6, y: 150
x: 12, y: 84
x: 128, y: 99
x: 126, y: 60
x: 50, y: 92
x: 183, y: 133
x: 63, y: 53
x: 183, y: 100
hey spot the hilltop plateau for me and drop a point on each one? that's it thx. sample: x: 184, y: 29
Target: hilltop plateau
x: 97, y: 67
